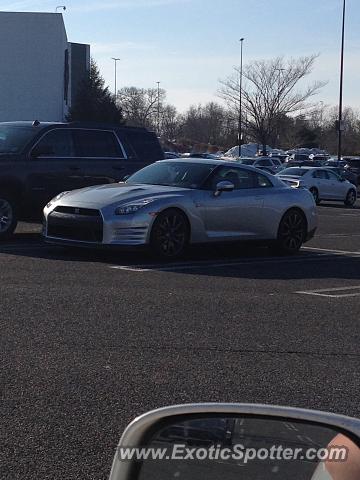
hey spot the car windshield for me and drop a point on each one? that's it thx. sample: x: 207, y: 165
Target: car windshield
x: 13, y: 139
x: 293, y: 172
x: 174, y: 174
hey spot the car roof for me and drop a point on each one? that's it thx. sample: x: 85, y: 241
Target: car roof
x: 90, y: 125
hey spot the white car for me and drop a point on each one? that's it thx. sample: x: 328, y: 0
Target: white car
x: 323, y: 183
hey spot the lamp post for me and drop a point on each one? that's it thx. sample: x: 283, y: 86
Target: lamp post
x: 158, y: 108
x: 340, y: 125
x: 280, y: 70
x: 240, y: 96
x: 115, y: 68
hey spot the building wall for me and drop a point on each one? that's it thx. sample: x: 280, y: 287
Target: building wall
x: 32, y: 66
x: 79, y: 68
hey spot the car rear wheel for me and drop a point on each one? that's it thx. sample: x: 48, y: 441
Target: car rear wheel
x: 292, y: 232
x: 170, y: 234
x: 315, y: 193
x: 350, y: 198
x: 8, y: 216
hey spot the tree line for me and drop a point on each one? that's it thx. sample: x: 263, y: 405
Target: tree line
x: 275, y: 111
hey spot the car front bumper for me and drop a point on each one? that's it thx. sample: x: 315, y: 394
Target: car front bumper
x: 96, y: 229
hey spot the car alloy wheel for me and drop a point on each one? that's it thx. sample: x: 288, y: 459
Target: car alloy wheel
x: 7, y: 218
x: 315, y: 193
x: 170, y: 233
x: 292, y: 231
x: 350, y: 198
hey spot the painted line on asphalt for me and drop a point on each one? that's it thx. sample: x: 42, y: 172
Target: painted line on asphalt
x: 333, y: 292
x: 332, y: 251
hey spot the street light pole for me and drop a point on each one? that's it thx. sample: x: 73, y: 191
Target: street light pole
x: 240, y: 96
x: 280, y: 70
x: 340, y: 126
x: 158, y: 108
x: 115, y: 87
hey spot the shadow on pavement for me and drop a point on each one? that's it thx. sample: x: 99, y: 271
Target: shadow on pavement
x: 236, y: 260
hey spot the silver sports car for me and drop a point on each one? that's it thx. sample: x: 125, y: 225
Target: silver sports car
x: 173, y: 203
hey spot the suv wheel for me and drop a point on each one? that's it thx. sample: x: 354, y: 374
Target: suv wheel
x: 8, y: 216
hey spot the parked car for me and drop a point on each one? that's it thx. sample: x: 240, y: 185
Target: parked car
x: 171, y: 155
x: 173, y: 203
x: 344, y: 173
x: 353, y: 165
x: 323, y: 183
x: 39, y: 160
x: 269, y: 164
x: 334, y: 162
x: 200, y: 155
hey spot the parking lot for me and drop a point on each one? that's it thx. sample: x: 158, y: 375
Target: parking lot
x: 91, y: 339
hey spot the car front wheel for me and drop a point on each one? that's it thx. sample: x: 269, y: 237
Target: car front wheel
x: 8, y: 216
x: 350, y: 198
x: 292, y: 232
x: 170, y: 234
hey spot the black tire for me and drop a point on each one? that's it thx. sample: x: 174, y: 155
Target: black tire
x: 292, y: 232
x: 350, y: 198
x: 8, y: 216
x: 170, y: 234
x: 315, y: 193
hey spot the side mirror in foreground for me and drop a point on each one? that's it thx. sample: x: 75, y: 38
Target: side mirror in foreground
x: 224, y: 186
x: 238, y: 441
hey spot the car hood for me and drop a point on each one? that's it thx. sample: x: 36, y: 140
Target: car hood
x: 117, y: 193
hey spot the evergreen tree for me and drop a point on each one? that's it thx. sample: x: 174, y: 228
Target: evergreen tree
x: 94, y: 102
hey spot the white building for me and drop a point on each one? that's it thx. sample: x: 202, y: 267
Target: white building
x: 39, y: 70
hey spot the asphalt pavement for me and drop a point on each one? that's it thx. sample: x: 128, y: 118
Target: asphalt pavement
x: 91, y: 339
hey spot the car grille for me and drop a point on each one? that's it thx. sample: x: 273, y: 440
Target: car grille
x: 80, y: 224
x: 78, y: 211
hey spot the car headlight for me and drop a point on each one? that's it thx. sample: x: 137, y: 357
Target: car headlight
x: 132, y: 207
x: 55, y: 199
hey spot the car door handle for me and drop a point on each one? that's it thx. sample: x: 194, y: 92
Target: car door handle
x: 115, y: 167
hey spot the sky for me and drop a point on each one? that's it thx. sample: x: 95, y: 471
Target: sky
x: 189, y: 45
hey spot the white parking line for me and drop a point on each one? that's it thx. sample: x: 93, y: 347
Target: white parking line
x: 332, y: 251
x: 322, y: 292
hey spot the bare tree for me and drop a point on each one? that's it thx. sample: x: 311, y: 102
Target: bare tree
x: 269, y: 92
x: 140, y: 105
x: 169, y: 122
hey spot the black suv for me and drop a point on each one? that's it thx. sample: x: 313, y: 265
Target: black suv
x: 40, y: 160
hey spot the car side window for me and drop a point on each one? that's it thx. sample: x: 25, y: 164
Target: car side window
x: 261, y: 181
x: 55, y: 143
x: 333, y: 176
x: 97, y: 144
x: 320, y: 174
x: 241, y: 178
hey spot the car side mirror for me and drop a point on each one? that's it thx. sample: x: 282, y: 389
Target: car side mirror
x: 223, y: 186
x: 232, y: 441
x: 41, y: 151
